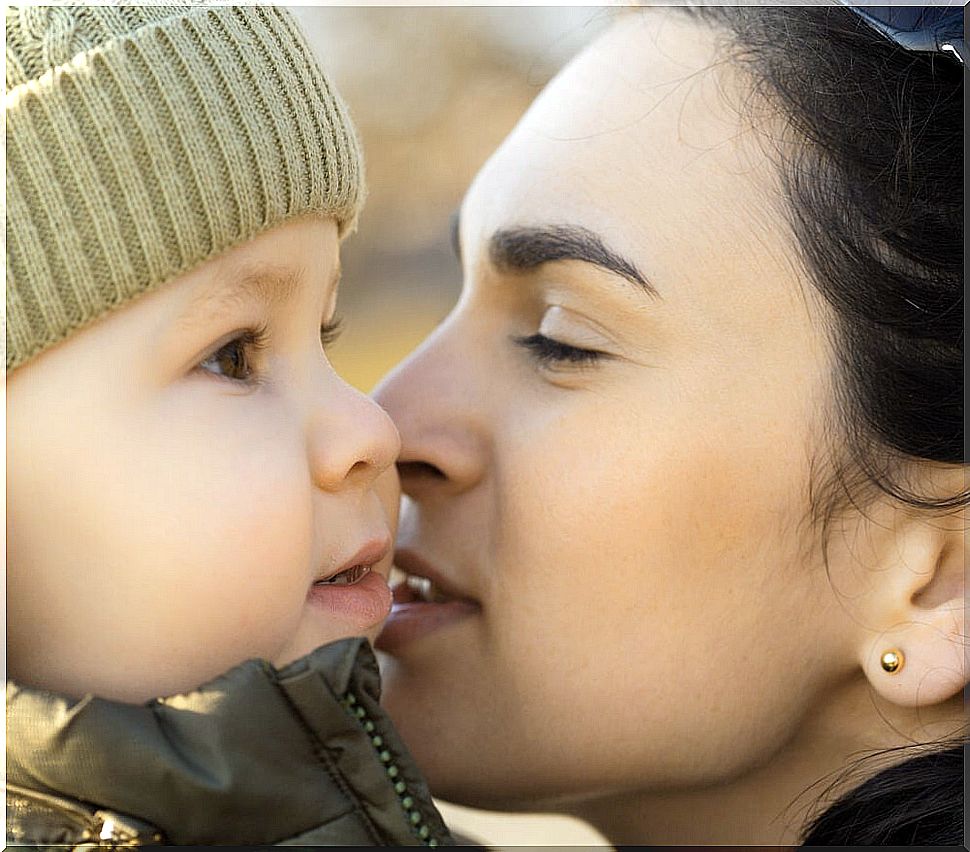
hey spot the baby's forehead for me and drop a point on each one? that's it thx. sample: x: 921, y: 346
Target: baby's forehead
x: 270, y: 270
x: 214, y: 292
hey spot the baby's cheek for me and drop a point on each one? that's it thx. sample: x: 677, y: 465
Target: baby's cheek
x: 272, y: 545
x: 247, y: 555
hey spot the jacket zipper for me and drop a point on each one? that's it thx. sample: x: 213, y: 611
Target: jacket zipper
x: 415, y: 818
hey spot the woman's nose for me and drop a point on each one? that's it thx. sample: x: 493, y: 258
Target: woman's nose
x: 435, y: 399
x: 352, y: 440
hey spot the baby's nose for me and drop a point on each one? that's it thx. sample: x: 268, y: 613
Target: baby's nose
x: 352, y: 440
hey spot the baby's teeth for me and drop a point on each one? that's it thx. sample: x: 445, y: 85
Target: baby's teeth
x: 356, y: 574
x: 346, y: 578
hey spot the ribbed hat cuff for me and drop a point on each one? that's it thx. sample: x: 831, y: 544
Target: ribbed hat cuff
x: 141, y: 158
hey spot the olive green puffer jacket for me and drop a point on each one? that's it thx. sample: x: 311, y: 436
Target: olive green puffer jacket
x: 300, y: 756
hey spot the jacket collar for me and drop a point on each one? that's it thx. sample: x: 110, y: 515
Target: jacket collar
x: 253, y: 756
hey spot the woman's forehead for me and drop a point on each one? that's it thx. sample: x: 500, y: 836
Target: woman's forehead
x: 641, y: 140
x: 647, y: 113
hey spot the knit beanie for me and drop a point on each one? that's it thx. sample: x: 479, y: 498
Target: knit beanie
x: 144, y: 140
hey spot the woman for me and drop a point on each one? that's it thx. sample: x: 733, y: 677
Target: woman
x: 685, y: 463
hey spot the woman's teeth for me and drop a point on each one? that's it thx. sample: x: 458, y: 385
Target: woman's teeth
x: 425, y: 589
x: 346, y: 578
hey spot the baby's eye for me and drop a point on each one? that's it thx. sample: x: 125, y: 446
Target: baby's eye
x: 234, y: 360
x: 550, y: 352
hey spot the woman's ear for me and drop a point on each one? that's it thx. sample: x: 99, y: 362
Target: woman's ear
x: 914, y: 648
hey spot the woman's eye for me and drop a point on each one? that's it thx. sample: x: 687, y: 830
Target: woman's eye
x: 330, y: 331
x: 547, y: 351
x: 234, y: 360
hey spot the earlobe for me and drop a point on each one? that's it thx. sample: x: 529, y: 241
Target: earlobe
x: 920, y: 657
x: 933, y: 665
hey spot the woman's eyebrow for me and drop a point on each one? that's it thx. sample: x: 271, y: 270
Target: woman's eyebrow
x: 522, y: 249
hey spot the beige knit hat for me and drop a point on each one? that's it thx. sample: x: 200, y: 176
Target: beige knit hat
x: 143, y: 140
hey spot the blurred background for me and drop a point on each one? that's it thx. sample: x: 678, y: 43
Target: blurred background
x: 433, y: 91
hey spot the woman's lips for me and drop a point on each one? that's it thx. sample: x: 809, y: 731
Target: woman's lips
x: 412, y: 616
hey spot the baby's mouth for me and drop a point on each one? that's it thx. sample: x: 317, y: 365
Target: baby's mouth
x: 358, y: 566
x: 346, y: 577
x: 354, y: 590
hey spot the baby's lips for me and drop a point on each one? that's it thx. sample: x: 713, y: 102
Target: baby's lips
x: 385, y: 565
x: 359, y: 606
x: 372, y: 553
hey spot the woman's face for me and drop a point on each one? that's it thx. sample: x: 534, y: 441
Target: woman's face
x: 631, y: 525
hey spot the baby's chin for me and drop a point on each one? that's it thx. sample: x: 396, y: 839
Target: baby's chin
x: 325, y: 620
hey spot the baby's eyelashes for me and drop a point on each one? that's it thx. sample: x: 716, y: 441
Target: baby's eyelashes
x: 330, y: 331
x: 235, y: 359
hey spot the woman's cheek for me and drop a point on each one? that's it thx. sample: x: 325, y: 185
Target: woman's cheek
x: 644, y: 535
x: 573, y: 534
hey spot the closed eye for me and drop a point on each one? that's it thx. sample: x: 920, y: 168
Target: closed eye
x: 548, y: 351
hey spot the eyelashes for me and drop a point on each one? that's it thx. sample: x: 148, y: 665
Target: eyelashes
x: 331, y: 331
x: 547, y: 351
x: 237, y: 359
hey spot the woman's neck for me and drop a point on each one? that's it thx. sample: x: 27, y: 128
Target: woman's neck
x: 771, y: 804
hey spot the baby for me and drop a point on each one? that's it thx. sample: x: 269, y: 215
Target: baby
x: 190, y: 484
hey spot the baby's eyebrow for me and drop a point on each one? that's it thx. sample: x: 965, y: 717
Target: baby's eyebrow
x: 270, y: 285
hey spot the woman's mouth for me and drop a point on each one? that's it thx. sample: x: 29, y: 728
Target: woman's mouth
x: 422, y: 589
x: 421, y: 606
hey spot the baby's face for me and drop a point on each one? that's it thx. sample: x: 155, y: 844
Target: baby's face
x: 183, y: 473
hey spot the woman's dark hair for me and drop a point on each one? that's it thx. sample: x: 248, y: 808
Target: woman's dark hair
x: 873, y: 174
x: 918, y: 802
x: 875, y: 192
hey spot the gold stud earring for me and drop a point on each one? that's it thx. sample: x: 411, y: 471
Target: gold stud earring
x: 892, y: 661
